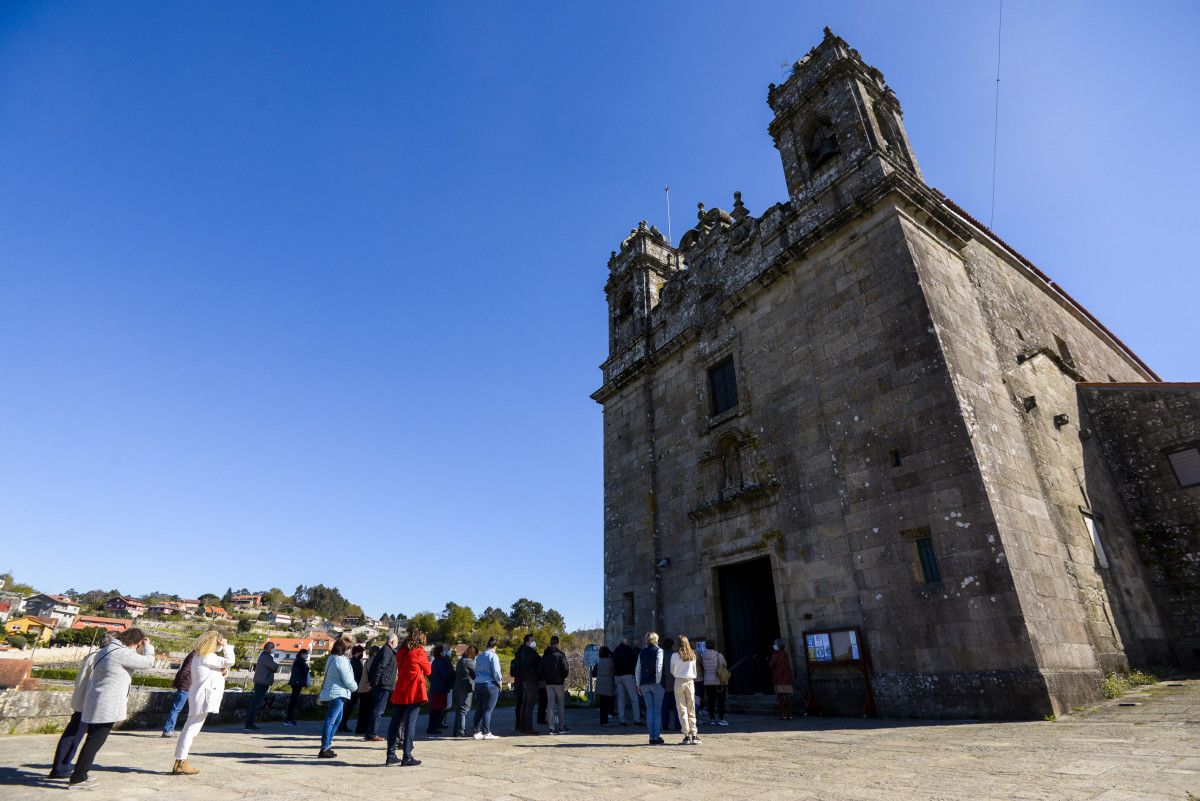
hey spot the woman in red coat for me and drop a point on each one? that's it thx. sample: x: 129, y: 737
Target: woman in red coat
x: 412, y: 668
x: 781, y: 677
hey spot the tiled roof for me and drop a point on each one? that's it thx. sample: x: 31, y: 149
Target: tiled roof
x: 90, y: 621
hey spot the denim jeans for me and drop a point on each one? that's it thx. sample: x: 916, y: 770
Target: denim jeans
x: 462, y: 705
x: 177, y: 704
x: 669, y: 712
x: 403, y: 728
x: 332, y: 718
x: 256, y: 699
x: 486, y: 696
x: 653, y: 693
x: 379, y: 701
x: 68, y: 744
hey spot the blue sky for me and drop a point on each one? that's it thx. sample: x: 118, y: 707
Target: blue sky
x: 312, y: 292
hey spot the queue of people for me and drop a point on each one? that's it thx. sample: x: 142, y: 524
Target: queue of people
x: 660, y: 685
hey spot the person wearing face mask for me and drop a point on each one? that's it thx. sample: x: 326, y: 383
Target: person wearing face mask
x: 781, y: 677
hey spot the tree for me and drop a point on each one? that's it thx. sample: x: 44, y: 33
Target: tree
x: 456, y: 623
x: 494, y: 615
x: 526, y: 614
x: 425, y: 621
x: 208, y: 599
x: 11, y: 585
x: 554, y: 622
x: 227, y: 598
x: 275, y: 599
x: 361, y: 637
x: 245, y: 624
x: 327, y: 601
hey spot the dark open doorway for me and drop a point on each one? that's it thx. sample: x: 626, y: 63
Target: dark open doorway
x: 751, y: 623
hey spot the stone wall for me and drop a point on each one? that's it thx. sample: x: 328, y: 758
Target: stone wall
x: 1135, y: 425
x: 23, y: 712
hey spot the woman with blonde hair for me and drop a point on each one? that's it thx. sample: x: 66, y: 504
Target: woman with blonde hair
x: 214, y: 657
x: 683, y: 668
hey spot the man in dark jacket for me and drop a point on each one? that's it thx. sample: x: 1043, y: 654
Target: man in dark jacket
x: 356, y: 665
x: 264, y: 677
x: 381, y: 672
x: 554, y: 671
x: 529, y: 673
x: 624, y: 663
x: 297, y: 681
x: 182, y: 684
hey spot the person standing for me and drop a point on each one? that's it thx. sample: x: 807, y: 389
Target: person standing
x: 182, y: 683
x: 213, y: 658
x: 554, y: 673
x: 669, y: 712
x: 300, y: 678
x: 624, y: 665
x: 487, y: 690
x: 781, y: 676
x: 606, y: 684
x: 365, y: 710
x: 339, y: 685
x: 73, y: 734
x: 264, y: 677
x: 441, y: 682
x: 650, y: 673
x: 714, y: 669
x: 106, y: 697
x: 412, y: 668
x: 684, y: 669
x: 356, y: 665
x: 464, y: 688
x: 381, y: 673
x: 529, y: 671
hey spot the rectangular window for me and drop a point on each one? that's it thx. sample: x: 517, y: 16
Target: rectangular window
x: 722, y: 386
x: 627, y: 611
x: 1094, y: 531
x: 1064, y: 352
x: 929, y: 565
x: 1186, y: 464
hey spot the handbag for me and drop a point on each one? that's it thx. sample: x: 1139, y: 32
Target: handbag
x: 723, y: 674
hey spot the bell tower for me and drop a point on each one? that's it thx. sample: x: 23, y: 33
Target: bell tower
x: 835, y: 119
x: 636, y: 277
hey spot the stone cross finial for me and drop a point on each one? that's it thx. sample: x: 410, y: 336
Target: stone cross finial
x: 699, y: 211
x: 737, y: 200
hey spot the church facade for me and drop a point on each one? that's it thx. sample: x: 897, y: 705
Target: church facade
x: 860, y: 412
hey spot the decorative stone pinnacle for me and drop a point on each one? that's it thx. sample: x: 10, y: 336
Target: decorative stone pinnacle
x: 700, y: 211
x: 737, y: 200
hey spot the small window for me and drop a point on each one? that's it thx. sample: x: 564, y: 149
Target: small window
x: 1064, y: 352
x: 1094, y: 530
x: 896, y: 459
x: 627, y: 611
x: 1186, y: 464
x: 722, y: 386
x: 929, y: 565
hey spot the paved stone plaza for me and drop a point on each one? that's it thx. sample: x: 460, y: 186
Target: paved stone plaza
x: 1113, y: 753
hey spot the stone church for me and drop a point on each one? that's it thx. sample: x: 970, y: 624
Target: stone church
x: 862, y: 422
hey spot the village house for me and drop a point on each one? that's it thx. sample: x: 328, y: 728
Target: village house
x: 38, y: 630
x: 280, y: 618
x: 322, y: 643
x: 246, y: 601
x: 286, y: 648
x: 59, y: 607
x: 165, y: 608
x: 190, y: 606
x: 216, y: 613
x: 126, y: 606
x: 113, y: 624
x: 5, y: 610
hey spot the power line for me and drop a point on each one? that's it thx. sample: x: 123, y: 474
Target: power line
x: 996, y: 115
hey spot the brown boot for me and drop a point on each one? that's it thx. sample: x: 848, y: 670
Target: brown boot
x: 182, y: 768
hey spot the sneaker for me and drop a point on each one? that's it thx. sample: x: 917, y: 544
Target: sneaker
x: 490, y: 736
x: 695, y: 741
x: 328, y: 753
x: 686, y: 741
x: 373, y: 738
x: 392, y: 759
x: 722, y: 722
x: 479, y: 735
x: 166, y: 734
x: 554, y: 731
x: 54, y: 775
x: 410, y: 763
x: 293, y: 723
x: 87, y: 784
x: 658, y: 741
x: 564, y: 730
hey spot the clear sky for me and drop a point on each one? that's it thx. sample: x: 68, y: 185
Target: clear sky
x: 312, y: 292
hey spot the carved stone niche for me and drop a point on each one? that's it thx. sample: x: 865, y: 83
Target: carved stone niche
x: 728, y: 480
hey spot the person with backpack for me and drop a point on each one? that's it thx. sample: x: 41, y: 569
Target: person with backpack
x: 300, y: 678
x: 182, y: 683
x: 716, y: 677
x: 649, y: 676
x: 554, y: 672
x: 214, y: 657
x: 381, y: 673
x: 106, y: 696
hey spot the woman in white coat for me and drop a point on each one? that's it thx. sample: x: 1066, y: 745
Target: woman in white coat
x: 214, y: 658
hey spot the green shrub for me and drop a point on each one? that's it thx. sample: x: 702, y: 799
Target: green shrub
x: 1139, y: 678
x: 17, y: 641
x: 1115, y: 685
x: 65, y: 674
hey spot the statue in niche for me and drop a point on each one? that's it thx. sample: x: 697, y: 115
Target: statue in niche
x: 822, y: 145
x: 731, y: 466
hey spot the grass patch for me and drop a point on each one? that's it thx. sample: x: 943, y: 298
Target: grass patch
x: 1051, y: 718
x: 48, y: 728
x: 1117, y: 684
